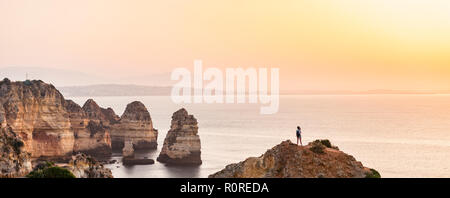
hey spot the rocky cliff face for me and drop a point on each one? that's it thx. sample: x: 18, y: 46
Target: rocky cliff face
x: 91, y: 137
x: 135, y: 125
x: 287, y: 160
x: 35, y: 111
x: 14, y: 162
x: 182, y: 143
x: 47, y: 123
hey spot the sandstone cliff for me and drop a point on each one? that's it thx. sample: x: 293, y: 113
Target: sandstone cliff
x: 35, y: 111
x: 47, y: 123
x: 182, y: 143
x: 287, y: 160
x: 90, y: 137
x: 134, y: 125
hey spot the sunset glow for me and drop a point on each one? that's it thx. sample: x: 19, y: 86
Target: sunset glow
x: 325, y: 45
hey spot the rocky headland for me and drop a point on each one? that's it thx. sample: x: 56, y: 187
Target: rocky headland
x: 318, y: 159
x: 38, y: 122
x: 182, y: 143
x: 36, y: 112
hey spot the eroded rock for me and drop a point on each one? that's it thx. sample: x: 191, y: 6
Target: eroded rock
x: 84, y: 166
x: 287, y: 160
x: 128, y: 150
x: 182, y: 143
x: 14, y: 162
x: 135, y: 125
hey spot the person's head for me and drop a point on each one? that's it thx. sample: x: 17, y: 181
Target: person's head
x: 298, y: 127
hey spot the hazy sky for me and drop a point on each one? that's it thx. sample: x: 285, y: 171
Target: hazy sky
x: 329, y: 44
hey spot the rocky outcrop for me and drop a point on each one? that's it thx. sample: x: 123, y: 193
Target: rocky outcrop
x: 182, y: 143
x: 128, y: 150
x: 14, y: 162
x: 134, y: 125
x: 35, y: 112
x: 98, y: 114
x: 287, y: 160
x: 48, y: 124
x: 128, y: 156
x: 91, y: 137
x: 84, y: 166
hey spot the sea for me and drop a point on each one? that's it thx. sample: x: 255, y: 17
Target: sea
x: 398, y: 135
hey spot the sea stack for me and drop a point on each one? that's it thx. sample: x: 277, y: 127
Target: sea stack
x: 318, y: 159
x: 182, y: 143
x: 135, y: 125
x: 128, y: 150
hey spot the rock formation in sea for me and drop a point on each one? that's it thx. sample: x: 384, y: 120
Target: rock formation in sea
x: 128, y: 150
x: 129, y: 157
x: 134, y: 125
x: 85, y: 166
x: 287, y: 160
x: 182, y: 143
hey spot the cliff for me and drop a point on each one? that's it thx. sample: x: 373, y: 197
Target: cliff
x: 134, y: 125
x: 48, y: 124
x: 35, y: 111
x: 287, y: 160
x: 91, y: 137
x: 182, y: 143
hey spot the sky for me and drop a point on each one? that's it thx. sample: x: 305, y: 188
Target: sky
x: 317, y: 44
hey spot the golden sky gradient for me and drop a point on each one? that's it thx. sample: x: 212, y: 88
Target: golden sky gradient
x: 317, y: 44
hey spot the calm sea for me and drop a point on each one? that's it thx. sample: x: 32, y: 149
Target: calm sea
x: 399, y: 135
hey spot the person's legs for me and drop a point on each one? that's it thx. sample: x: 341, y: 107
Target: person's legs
x: 297, y: 141
x: 300, y: 138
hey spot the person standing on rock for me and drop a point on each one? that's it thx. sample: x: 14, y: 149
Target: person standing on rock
x: 299, y: 135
